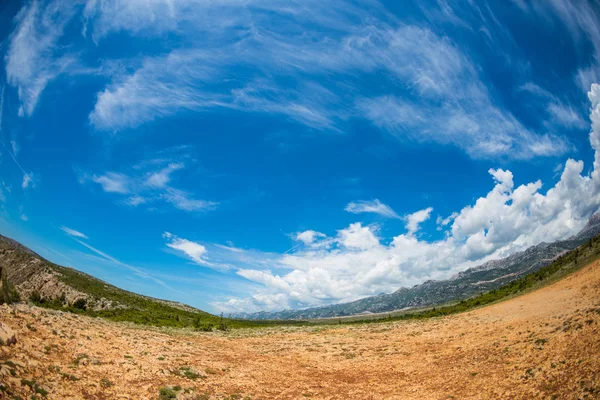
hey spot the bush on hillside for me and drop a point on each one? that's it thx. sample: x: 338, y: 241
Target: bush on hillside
x: 80, y: 304
x: 8, y: 294
x: 35, y: 297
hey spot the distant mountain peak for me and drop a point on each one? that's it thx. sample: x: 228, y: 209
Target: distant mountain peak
x: 485, y: 277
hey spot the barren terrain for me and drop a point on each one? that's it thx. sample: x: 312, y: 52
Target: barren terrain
x: 545, y: 344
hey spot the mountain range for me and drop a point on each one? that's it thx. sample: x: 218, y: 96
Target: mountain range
x: 471, y: 282
x: 51, y: 285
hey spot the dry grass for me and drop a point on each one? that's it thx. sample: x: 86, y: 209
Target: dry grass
x: 540, y: 345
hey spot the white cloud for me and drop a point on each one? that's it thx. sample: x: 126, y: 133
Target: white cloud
x: 2, y: 105
x: 193, y: 250
x: 229, y: 248
x: 137, y: 271
x: 27, y: 181
x: 445, y: 100
x: 149, y: 183
x: 182, y: 200
x: 15, y: 147
x: 358, y: 263
x: 477, y: 127
x: 131, y: 15
x: 566, y: 115
x: 583, y: 24
x: 113, y: 182
x: 135, y: 201
x: 358, y: 237
x: 159, y: 179
x: 22, y: 215
x: 73, y: 232
x: 559, y: 112
x: 193, y: 81
x: 415, y: 219
x: 34, y: 58
x: 371, y: 206
x: 308, y: 237
x: 445, y: 221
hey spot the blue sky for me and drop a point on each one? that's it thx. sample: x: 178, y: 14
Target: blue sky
x: 257, y: 155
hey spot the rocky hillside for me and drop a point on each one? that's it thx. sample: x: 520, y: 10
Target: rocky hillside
x: 53, y: 286
x: 483, y: 278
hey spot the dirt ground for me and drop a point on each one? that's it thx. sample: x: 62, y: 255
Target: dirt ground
x: 545, y: 344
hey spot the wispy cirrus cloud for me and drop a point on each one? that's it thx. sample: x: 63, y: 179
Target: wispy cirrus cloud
x: 34, y: 57
x: 114, y: 261
x: 149, y: 184
x: 371, y: 206
x: 269, y: 58
x: 73, y: 232
x: 29, y: 179
x: 444, y: 100
x: 559, y: 113
x: 583, y: 25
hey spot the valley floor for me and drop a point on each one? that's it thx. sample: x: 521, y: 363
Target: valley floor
x: 545, y: 344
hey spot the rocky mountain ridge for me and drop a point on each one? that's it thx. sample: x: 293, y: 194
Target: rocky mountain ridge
x: 488, y: 276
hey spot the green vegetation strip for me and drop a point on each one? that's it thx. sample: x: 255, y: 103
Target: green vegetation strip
x: 137, y: 309
x: 152, y: 312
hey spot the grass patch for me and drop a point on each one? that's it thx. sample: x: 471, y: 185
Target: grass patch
x: 168, y: 393
x: 35, y: 387
x: 105, y: 383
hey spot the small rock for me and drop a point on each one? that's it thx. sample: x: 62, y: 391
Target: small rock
x: 7, y: 336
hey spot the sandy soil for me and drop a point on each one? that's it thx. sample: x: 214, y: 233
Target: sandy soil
x: 545, y: 344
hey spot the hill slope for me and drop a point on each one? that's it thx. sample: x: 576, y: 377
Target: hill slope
x: 489, y: 276
x: 54, y: 286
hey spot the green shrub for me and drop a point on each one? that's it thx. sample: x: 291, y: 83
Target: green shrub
x: 204, y: 326
x: 35, y: 297
x: 167, y: 393
x: 105, y: 383
x: 80, y: 304
x: 8, y: 295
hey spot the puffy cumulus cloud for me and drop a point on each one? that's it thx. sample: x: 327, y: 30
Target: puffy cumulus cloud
x: 415, y: 219
x: 357, y: 263
x: 357, y: 236
x: 149, y: 183
x: 371, y: 206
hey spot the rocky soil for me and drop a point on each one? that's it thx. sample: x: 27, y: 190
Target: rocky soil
x: 545, y: 344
